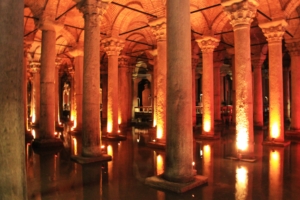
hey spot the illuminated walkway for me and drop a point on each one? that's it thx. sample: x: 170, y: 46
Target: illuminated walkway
x: 275, y: 174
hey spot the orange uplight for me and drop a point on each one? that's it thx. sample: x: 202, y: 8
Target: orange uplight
x: 75, y: 145
x: 159, y: 132
x: 33, y: 133
x: 109, y: 126
x: 207, y: 124
x: 241, y: 185
x: 109, y: 150
x: 154, y: 122
x: 206, y: 159
x: 119, y: 120
x: 274, y: 130
x: 242, y: 139
x: 275, y: 176
x: 33, y: 118
x: 159, y: 165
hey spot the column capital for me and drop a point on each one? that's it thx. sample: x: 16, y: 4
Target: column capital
x: 274, y: 30
x: 112, y: 46
x: 47, y: 23
x: 159, y: 28
x: 35, y: 67
x: 257, y: 61
x: 207, y: 44
x: 95, y: 11
x: 123, y: 61
x: 240, y: 12
x: 153, y: 52
x: 293, y: 46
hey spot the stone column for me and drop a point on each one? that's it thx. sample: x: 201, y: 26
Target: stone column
x: 159, y: 30
x: 123, y: 91
x: 91, y: 123
x: 35, y: 94
x: 26, y: 80
x: 286, y: 94
x: 231, y: 91
x: 217, y: 91
x: 57, y: 113
x: 294, y: 50
x: 154, y: 86
x: 78, y: 63
x: 274, y: 31
x: 12, y: 137
x: 112, y: 46
x: 135, y: 81
x: 258, y: 119
x: 207, y: 45
x: 195, y: 61
x: 241, y: 15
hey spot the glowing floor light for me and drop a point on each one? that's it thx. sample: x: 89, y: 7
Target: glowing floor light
x: 241, y: 185
x: 159, y: 165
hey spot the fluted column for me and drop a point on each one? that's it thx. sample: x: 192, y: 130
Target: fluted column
x: 159, y: 30
x: 217, y: 91
x: 195, y: 61
x: 123, y: 90
x: 35, y: 93
x: 91, y: 123
x: 241, y: 15
x: 274, y: 31
x: 12, y: 137
x: 258, y: 119
x: 112, y: 46
x: 207, y: 45
x: 294, y: 50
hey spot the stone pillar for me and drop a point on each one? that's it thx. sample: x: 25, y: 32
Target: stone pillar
x: 35, y: 93
x: 104, y: 97
x: 195, y: 61
x: 47, y: 98
x: 91, y: 123
x: 154, y: 86
x: 217, y: 91
x: 274, y: 31
x: 26, y: 80
x: 294, y: 50
x: 135, y: 83
x: 78, y: 63
x: 207, y: 45
x: 57, y: 90
x: 258, y: 117
x: 123, y: 90
x: 12, y: 137
x: 159, y: 30
x: 241, y: 15
x: 231, y: 91
x: 112, y: 46
x: 286, y: 94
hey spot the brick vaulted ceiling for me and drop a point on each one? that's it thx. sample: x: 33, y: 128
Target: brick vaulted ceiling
x: 128, y: 19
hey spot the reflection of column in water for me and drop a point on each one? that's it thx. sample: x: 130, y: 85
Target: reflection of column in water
x: 92, y: 181
x: 275, y: 173
x: 48, y: 175
x: 241, y: 184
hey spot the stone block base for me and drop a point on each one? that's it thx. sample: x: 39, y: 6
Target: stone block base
x: 114, y: 137
x: 243, y: 158
x: 292, y: 134
x: 207, y: 137
x: 156, y: 145
x: 260, y: 128
x: 160, y: 183
x: 276, y: 144
x: 86, y: 160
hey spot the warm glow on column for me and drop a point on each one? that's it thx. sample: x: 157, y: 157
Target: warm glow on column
x: 33, y: 133
x: 33, y: 118
x: 207, y: 123
x: 154, y: 122
x: 241, y: 185
x: 206, y: 159
x: 159, y: 132
x: 109, y: 150
x: 119, y: 119
x: 275, y: 174
x: 109, y: 126
x: 74, y: 146
x: 159, y: 165
x: 242, y: 139
x: 275, y: 129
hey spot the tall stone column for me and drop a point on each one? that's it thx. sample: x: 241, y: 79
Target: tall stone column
x: 241, y: 15
x: 207, y: 45
x: 294, y: 50
x: 57, y: 113
x: 154, y: 86
x: 178, y: 175
x: 258, y: 119
x: 35, y: 93
x: 274, y: 31
x: 112, y: 46
x: 123, y: 91
x: 195, y: 61
x: 12, y: 137
x: 217, y: 91
x: 91, y: 123
x: 25, y: 95
x: 135, y: 83
x: 230, y: 85
x: 286, y: 94
x: 104, y: 97
x: 159, y: 30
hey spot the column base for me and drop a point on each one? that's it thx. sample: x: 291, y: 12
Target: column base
x: 160, y: 183
x: 207, y: 137
x: 114, y: 137
x: 292, y: 134
x: 47, y: 143
x: 276, y: 143
x: 156, y: 145
x: 28, y: 136
x: 86, y: 160
x: 260, y: 127
x: 242, y: 157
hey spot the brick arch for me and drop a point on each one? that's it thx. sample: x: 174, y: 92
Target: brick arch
x: 199, y: 22
x: 291, y: 7
x: 219, y: 23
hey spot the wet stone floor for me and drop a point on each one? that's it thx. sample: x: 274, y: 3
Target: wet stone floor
x: 275, y: 174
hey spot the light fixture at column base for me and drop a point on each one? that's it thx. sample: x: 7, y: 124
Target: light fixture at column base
x: 86, y: 160
x: 207, y: 137
x: 276, y: 143
x: 114, y: 137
